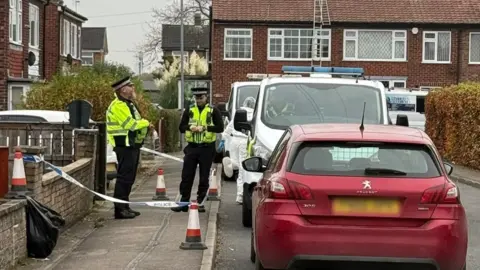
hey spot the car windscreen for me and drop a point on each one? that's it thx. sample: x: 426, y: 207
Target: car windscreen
x: 370, y: 159
x: 247, y: 96
x: 287, y: 104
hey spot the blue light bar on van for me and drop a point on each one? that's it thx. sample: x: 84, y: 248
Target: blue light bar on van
x: 329, y: 70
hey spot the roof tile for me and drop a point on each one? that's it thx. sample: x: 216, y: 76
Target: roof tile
x: 373, y: 11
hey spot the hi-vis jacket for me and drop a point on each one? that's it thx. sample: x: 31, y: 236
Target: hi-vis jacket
x: 125, y: 126
x: 203, y: 119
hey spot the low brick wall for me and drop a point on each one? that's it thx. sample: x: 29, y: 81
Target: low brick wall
x: 13, y: 237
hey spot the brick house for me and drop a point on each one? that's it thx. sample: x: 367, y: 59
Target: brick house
x: 94, y: 45
x: 402, y: 43
x: 29, y: 45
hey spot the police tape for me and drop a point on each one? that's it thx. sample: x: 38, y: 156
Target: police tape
x: 64, y: 175
x: 161, y: 154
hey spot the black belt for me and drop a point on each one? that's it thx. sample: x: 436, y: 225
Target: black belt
x: 201, y: 145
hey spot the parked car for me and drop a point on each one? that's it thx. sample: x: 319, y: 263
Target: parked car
x: 320, y: 98
x: 332, y: 195
x: 242, y: 95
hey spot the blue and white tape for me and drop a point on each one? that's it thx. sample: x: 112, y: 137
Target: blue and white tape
x: 64, y: 175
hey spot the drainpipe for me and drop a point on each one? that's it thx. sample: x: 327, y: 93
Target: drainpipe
x: 44, y: 26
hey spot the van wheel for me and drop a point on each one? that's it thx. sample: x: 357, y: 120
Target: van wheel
x: 246, y: 213
x: 252, y: 250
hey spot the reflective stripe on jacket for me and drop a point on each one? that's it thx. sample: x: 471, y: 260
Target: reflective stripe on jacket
x: 121, y: 123
x: 203, y: 119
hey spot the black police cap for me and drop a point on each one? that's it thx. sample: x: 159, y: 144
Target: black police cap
x: 196, y: 91
x: 121, y: 83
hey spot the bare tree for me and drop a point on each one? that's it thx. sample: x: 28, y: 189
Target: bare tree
x: 171, y: 15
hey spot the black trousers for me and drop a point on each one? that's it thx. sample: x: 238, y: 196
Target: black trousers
x: 127, y: 158
x: 196, y: 155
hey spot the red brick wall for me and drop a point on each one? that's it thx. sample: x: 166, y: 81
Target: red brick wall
x: 3, y: 53
x: 52, y: 41
x: 226, y: 72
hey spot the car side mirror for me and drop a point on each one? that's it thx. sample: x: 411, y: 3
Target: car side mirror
x: 402, y: 120
x: 240, y: 121
x: 254, y: 164
x: 222, y: 107
x: 448, y: 167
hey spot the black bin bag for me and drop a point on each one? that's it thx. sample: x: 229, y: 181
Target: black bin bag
x: 43, y: 226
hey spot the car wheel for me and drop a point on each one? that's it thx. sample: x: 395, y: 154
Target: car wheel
x: 246, y: 213
x: 252, y: 249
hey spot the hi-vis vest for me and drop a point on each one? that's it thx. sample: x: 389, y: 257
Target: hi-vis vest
x: 250, y: 149
x: 203, y: 119
x: 120, y: 122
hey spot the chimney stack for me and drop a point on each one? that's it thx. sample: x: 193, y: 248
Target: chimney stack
x: 198, y: 19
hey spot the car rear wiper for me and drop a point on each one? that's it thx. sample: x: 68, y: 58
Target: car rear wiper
x: 382, y: 171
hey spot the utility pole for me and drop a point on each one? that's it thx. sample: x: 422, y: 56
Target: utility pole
x: 140, y: 63
x: 182, y: 72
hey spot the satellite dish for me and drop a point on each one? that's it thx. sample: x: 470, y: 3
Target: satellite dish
x: 31, y: 59
x: 69, y: 59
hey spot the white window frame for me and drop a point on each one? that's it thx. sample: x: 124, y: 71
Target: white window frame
x: 15, y: 14
x: 428, y: 88
x: 394, y: 39
x: 26, y: 88
x: 177, y: 54
x: 470, y: 49
x: 225, y: 36
x: 314, y: 36
x: 391, y: 83
x: 66, y: 37
x: 34, y: 15
x: 435, y: 40
x: 73, y: 40
x: 88, y: 55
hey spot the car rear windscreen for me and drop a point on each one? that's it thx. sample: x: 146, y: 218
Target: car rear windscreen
x: 365, y: 159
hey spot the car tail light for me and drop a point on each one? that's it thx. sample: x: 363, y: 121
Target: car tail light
x: 444, y: 194
x: 280, y: 188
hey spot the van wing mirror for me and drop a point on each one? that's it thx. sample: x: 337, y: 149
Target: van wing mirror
x: 240, y: 121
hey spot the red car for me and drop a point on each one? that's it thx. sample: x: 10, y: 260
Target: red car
x: 334, y: 197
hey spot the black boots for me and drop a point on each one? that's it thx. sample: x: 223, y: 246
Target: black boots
x: 126, y: 213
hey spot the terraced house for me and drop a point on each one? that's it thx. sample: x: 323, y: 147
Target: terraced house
x: 403, y: 43
x: 37, y: 38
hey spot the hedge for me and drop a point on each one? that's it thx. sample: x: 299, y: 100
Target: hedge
x: 171, y: 118
x: 453, y: 122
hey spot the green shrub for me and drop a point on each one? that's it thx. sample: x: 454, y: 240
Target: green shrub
x: 453, y: 122
x: 171, y: 117
x: 89, y: 83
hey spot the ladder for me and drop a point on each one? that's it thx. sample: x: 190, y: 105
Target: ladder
x: 321, y: 18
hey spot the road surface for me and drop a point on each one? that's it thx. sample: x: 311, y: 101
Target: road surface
x: 233, y: 250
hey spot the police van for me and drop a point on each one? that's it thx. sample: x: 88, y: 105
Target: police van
x: 410, y: 102
x: 242, y: 94
x: 328, y: 95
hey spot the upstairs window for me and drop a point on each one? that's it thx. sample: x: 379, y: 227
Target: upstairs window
x: 34, y: 15
x: 436, y: 47
x: 15, y: 21
x: 238, y: 44
x: 474, y: 54
x: 375, y: 45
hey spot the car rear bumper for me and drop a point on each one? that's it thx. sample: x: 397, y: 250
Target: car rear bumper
x: 285, y: 241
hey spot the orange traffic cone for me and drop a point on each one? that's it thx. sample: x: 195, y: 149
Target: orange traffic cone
x: 213, y: 189
x: 18, y: 188
x: 161, y: 190
x: 193, y: 238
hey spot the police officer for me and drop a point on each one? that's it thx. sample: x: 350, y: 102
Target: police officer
x: 126, y: 131
x: 199, y: 123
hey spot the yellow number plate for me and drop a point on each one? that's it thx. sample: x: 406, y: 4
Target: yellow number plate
x: 111, y: 167
x: 365, y: 206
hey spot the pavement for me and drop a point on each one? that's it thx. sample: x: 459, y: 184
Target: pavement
x: 150, y: 241
x: 233, y: 243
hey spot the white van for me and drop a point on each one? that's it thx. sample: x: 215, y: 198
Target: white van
x: 283, y: 102
x: 408, y: 102
x: 240, y: 94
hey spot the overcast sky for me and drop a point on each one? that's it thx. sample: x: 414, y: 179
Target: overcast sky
x: 124, y: 31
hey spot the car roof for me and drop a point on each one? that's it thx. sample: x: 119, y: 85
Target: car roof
x: 378, y: 133
x: 350, y: 81
x: 42, y: 115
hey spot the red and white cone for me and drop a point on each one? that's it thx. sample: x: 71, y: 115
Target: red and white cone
x: 160, y: 190
x: 213, y: 188
x: 18, y: 189
x: 193, y: 238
